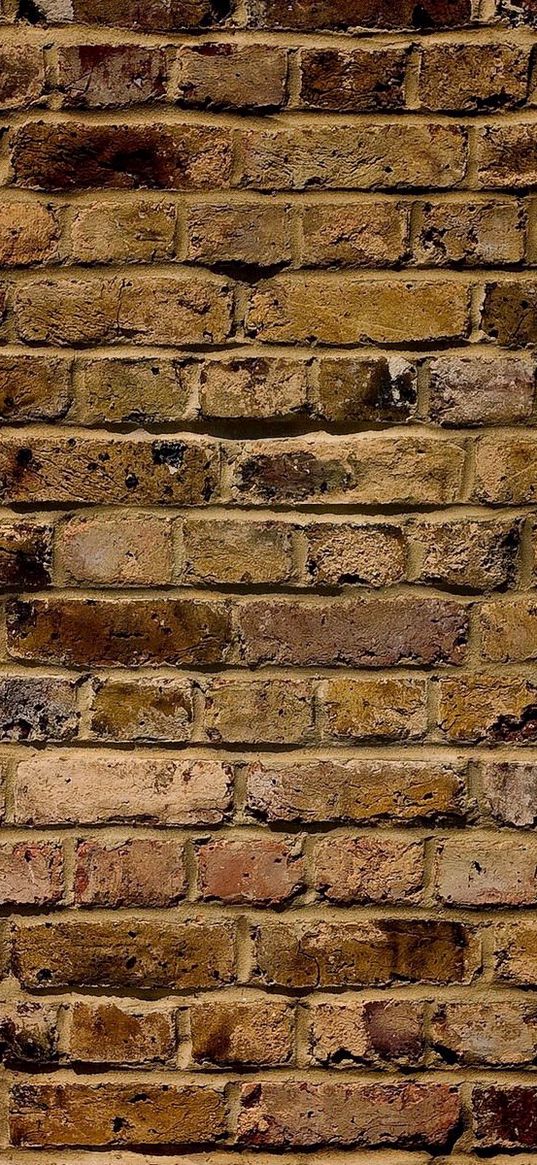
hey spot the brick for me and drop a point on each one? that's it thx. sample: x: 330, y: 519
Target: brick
x: 492, y: 708
x: 311, y: 1114
x: 22, y: 76
x: 356, y: 790
x: 127, y: 391
x: 255, y: 871
x: 316, y: 309
x: 505, y: 1117
x: 141, y: 233
x: 383, y: 389
x: 28, y: 1034
x: 249, y: 233
x: 472, y: 555
x: 515, y: 953
x: 34, y: 388
x: 25, y: 555
x: 230, y: 76
x: 31, y: 873
x: 112, y: 1033
x: 360, y: 157
x: 143, y: 310
x: 135, y: 872
x: 372, y: 469
x: 477, y: 1034
x: 255, y: 388
x: 125, y: 953
x: 154, y: 16
x: 28, y: 234
x: 350, y: 869
x: 486, y: 873
x: 506, y: 469
x: 318, y: 954
x: 349, y: 14
x: 374, y: 1034
x: 473, y: 77
x: 121, y: 157
x: 510, y: 792
x: 142, y: 710
x: 519, y: 10
x: 352, y: 553
x: 386, y: 708
x: 108, y: 1114
x: 94, y: 632
x: 114, y: 550
x: 371, y: 234
x: 36, y: 708
x: 351, y: 82
x: 84, y: 788
x: 509, y: 314
x: 241, y: 1034
x: 466, y: 391
x: 505, y: 156
x: 354, y: 633
x: 239, y: 711
x: 509, y: 631
x: 103, y: 76
x: 223, y: 551
x: 110, y: 470
x: 472, y: 234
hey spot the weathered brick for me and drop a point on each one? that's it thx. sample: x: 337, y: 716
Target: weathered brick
x: 343, y: 157
x: 350, y: 869
x: 355, y: 633
x: 320, y: 954
x: 29, y: 233
x: 256, y: 388
x: 25, y: 555
x: 103, y: 76
x: 469, y: 234
x: 371, y: 234
x: 86, y: 789
x: 308, y: 309
x: 383, y: 389
x: 135, y: 872
x: 254, y: 234
x: 506, y: 156
x: 506, y: 469
x: 31, y: 873
x: 36, y: 708
x: 148, y: 309
x: 472, y: 555
x: 473, y: 77
x: 349, y: 14
x: 230, y: 76
x: 110, y: 470
x: 351, y: 82
x: 142, y: 710
x: 125, y: 953
x: 502, y: 1035
x: 127, y: 391
x: 509, y: 314
x: 355, y: 790
x: 115, y: 1114
x: 509, y: 631
x: 373, y: 1034
x: 515, y: 953
x: 383, y: 708
x: 95, y: 632
x: 153, y: 16
x: 510, y: 792
x: 109, y: 550
x: 365, y: 468
x: 311, y: 1114
x: 243, y: 711
x: 121, y: 157
x: 519, y: 10
x: 22, y: 76
x: 112, y: 1033
x: 225, y: 551
x: 492, y: 708
x: 141, y: 232
x: 505, y: 1117
x: 486, y: 873
x: 346, y: 553
x: 256, y: 871
x: 466, y: 391
x: 34, y: 388
x: 28, y: 1033
x: 240, y: 1033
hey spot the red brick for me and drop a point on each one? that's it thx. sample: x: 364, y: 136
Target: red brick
x: 112, y: 550
x: 103, y: 76
x: 31, y: 873
x: 505, y: 1117
x: 136, y: 872
x: 376, y: 1034
x: 257, y: 871
x: 350, y: 869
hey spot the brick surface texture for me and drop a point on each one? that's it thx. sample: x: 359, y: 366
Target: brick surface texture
x: 268, y: 563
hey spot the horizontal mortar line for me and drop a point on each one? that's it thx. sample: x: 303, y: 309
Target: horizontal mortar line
x: 448, y: 753
x: 288, y: 517
x: 220, y: 1077
x: 435, y: 994
x: 412, y: 428
x: 168, y: 115
x: 236, y: 271
x: 173, y: 106
x: 251, y: 830
x: 16, y: 668
x: 188, y: 201
x: 242, y: 348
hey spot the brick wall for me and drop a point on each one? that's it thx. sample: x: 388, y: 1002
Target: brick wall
x: 268, y: 715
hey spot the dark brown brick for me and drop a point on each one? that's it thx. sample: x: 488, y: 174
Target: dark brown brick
x: 505, y: 1117
x: 103, y: 76
x: 347, y: 14
x: 34, y: 388
x: 25, y: 555
x: 351, y: 82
